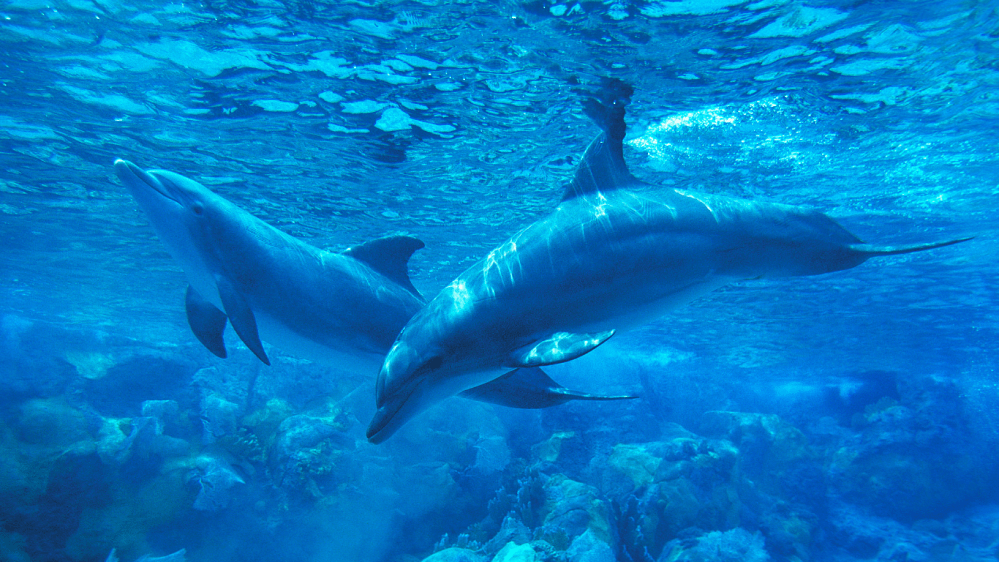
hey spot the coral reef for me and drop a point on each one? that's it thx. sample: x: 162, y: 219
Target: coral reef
x: 91, y: 463
x: 910, y: 459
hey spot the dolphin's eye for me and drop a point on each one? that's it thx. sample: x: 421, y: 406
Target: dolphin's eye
x: 198, y: 208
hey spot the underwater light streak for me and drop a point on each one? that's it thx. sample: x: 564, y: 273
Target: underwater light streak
x: 460, y: 294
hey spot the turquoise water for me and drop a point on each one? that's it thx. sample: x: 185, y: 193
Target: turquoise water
x: 861, y: 405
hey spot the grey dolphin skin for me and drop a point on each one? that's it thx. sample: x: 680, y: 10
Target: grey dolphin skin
x: 341, y: 309
x: 606, y: 259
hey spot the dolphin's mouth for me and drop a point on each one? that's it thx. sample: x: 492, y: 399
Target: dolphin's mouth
x: 132, y: 175
x: 390, y: 415
x: 378, y: 429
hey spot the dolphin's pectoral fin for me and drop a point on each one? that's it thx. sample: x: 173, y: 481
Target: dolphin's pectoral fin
x: 603, y: 168
x: 576, y: 395
x: 529, y: 388
x: 558, y: 348
x: 241, y: 317
x: 206, y: 321
x: 390, y: 257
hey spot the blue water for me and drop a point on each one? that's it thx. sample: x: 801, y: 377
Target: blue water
x: 848, y: 416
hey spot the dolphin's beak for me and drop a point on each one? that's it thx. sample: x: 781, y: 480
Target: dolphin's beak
x: 381, y: 426
x: 133, y: 176
x: 394, y: 411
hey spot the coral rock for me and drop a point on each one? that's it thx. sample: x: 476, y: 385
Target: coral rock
x: 513, y: 552
x: 588, y: 548
x: 572, y: 508
x: 455, y: 555
x: 736, y: 545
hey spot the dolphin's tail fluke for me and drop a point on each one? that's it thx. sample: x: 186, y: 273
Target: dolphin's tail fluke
x: 872, y: 250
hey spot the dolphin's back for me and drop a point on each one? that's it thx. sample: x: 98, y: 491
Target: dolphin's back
x: 619, y: 258
x: 776, y: 221
x: 760, y: 239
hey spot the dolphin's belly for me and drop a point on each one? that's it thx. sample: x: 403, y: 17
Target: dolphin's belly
x: 347, y: 356
x: 632, y: 314
x: 328, y: 308
x: 310, y: 329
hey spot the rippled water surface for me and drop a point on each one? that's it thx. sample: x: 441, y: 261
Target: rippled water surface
x: 341, y: 122
x: 460, y: 122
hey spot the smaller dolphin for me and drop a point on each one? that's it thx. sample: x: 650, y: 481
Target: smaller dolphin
x: 341, y: 309
x: 344, y: 309
x: 607, y: 258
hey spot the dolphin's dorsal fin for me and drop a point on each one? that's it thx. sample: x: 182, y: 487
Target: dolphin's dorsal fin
x: 390, y: 257
x: 603, y: 167
x: 558, y: 348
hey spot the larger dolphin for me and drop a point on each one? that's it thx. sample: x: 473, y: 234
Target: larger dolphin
x: 341, y: 309
x: 608, y: 258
